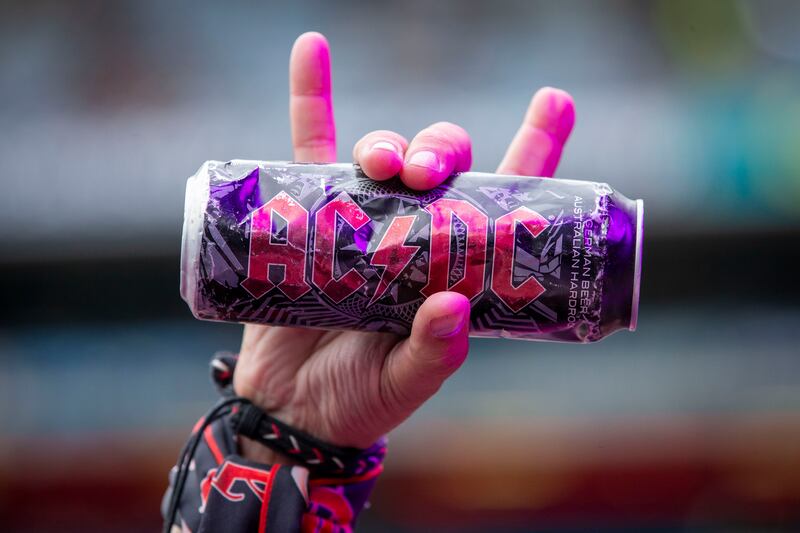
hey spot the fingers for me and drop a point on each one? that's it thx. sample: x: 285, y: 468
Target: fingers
x: 310, y: 103
x: 437, y: 347
x: 380, y: 154
x: 435, y: 153
x: 536, y: 148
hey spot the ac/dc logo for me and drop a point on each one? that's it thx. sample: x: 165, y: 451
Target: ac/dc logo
x: 225, y: 477
x: 392, y: 254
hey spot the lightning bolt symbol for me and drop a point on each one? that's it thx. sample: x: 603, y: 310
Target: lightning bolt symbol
x: 393, y: 253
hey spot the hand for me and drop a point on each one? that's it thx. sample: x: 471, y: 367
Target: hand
x: 349, y: 388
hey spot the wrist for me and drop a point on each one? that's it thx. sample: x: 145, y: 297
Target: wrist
x: 291, y: 413
x: 272, y: 428
x: 252, y: 449
x: 323, y: 459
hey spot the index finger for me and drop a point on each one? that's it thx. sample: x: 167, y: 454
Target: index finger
x: 310, y: 102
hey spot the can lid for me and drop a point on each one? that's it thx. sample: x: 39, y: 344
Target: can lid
x: 637, y: 269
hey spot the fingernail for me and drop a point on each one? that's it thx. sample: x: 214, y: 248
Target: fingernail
x: 384, y: 145
x: 447, y: 326
x: 426, y: 159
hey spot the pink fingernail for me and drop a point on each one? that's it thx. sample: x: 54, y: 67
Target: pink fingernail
x: 384, y: 145
x: 447, y: 326
x: 426, y: 159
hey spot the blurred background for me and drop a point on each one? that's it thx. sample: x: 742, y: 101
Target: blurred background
x: 690, y: 424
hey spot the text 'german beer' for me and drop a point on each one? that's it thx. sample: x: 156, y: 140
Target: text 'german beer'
x: 289, y: 250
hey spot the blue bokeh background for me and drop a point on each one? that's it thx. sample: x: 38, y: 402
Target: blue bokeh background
x: 691, y: 423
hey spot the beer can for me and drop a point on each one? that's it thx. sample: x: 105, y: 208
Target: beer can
x: 324, y: 246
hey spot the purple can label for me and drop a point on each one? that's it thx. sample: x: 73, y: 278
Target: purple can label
x: 323, y: 246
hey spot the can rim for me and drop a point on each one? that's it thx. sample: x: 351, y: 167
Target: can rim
x: 637, y: 269
x: 197, y: 195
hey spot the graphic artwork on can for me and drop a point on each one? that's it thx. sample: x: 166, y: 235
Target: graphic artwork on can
x: 324, y: 246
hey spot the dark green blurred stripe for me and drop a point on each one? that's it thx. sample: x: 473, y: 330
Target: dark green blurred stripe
x: 730, y: 269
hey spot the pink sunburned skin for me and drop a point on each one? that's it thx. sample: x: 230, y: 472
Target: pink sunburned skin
x: 554, y: 115
x: 552, y: 111
x: 434, y: 154
x: 382, y: 160
x: 537, y: 146
x: 310, y: 103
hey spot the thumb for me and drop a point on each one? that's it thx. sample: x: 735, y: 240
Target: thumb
x: 436, y: 348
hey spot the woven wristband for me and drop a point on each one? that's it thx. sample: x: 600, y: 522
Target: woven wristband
x: 321, y: 458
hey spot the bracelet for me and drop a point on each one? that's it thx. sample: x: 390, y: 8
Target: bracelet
x: 321, y: 458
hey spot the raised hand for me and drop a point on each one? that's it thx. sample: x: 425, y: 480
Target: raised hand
x: 349, y: 388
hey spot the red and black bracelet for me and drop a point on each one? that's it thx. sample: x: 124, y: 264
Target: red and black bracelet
x: 321, y: 458
x: 213, y: 488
